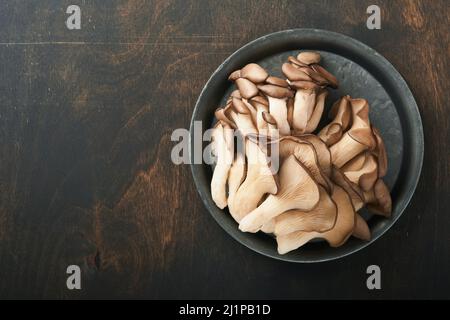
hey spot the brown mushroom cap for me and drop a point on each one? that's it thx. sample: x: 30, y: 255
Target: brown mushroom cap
x: 380, y: 153
x: 361, y: 230
x: 247, y: 88
x: 356, y: 195
x: 366, y: 175
x: 297, y: 191
x: 293, y: 73
x: 254, y: 72
x: 323, y: 154
x: 379, y: 199
x: 308, y: 57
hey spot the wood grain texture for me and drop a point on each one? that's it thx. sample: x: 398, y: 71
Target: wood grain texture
x: 85, y: 170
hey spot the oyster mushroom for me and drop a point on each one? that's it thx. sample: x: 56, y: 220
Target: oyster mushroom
x: 306, y: 154
x: 341, y: 231
x: 259, y: 181
x: 222, y: 138
x: 309, y: 97
x: 357, y: 139
x: 361, y: 230
x: 241, y: 116
x: 380, y: 153
x: 236, y: 177
x: 378, y: 199
x: 322, y: 218
x: 297, y: 191
x: 341, y: 114
x: 362, y: 170
x: 323, y: 154
x: 246, y: 79
x: 278, y: 92
x: 356, y: 195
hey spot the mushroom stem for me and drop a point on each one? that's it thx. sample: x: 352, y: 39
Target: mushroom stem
x: 278, y: 110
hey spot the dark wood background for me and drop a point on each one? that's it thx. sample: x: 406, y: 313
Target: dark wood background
x: 85, y: 171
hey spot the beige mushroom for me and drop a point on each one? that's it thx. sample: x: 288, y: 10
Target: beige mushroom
x: 297, y: 191
x: 380, y: 153
x: 341, y: 114
x: 259, y: 181
x: 355, y: 193
x: 341, y: 231
x: 362, y: 230
x: 357, y: 139
x: 378, y: 199
x: 362, y: 170
x: 322, y: 218
x: 224, y: 152
x: 236, y: 177
x: 306, y: 154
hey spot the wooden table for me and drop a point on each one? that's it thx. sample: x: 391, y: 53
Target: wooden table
x: 85, y: 173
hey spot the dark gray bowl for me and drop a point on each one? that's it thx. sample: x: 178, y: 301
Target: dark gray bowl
x: 363, y: 73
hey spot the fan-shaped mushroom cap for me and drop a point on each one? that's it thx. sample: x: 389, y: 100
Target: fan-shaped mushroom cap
x: 378, y: 199
x: 361, y: 230
x: 322, y: 218
x: 358, y: 138
x: 224, y: 153
x: 366, y: 174
x: 308, y: 57
x: 240, y: 115
x: 323, y: 154
x: 332, y: 81
x: 356, y: 195
x: 341, y: 114
x: 247, y: 88
x: 342, y: 229
x: 380, y: 153
x: 254, y: 72
x: 305, y: 153
x: 294, y: 73
x: 259, y: 181
x: 297, y: 191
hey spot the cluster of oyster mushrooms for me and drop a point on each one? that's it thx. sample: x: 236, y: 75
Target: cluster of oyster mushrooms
x: 322, y: 180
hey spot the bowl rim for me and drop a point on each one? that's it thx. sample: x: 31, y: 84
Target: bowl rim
x: 378, y: 61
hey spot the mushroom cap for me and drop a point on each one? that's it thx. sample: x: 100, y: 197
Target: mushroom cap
x: 308, y: 57
x: 322, y: 218
x: 332, y: 81
x: 234, y: 75
x: 247, y: 88
x: 356, y: 195
x: 305, y: 153
x: 361, y: 230
x: 277, y: 82
x: 379, y: 199
x: 254, y: 72
x: 323, y: 153
x: 275, y: 91
x: 366, y: 175
x: 294, y: 73
x: 341, y: 231
x: 380, y: 153
x: 298, y: 190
